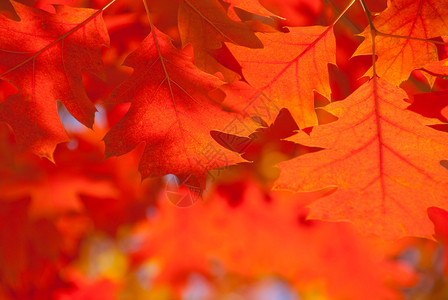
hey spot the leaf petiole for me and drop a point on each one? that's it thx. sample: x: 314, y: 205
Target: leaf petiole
x: 343, y: 13
x: 373, y: 33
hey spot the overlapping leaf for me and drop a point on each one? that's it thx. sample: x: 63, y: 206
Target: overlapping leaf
x: 199, y: 19
x: 290, y: 68
x: 252, y: 6
x: 44, y: 56
x: 206, y: 25
x: 438, y: 68
x: 383, y: 160
x: 266, y: 140
x: 398, y: 57
x: 171, y: 112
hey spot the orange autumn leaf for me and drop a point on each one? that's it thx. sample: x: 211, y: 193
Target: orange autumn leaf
x: 198, y: 19
x: 171, y: 112
x: 252, y: 6
x: 438, y: 68
x: 210, y: 96
x: 290, y: 67
x: 382, y: 159
x: 398, y: 57
x: 44, y: 56
x: 268, y: 141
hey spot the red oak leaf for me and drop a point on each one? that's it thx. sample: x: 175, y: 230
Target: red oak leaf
x: 438, y: 68
x: 199, y: 19
x: 44, y: 56
x: 252, y: 6
x: 171, y: 112
x: 383, y: 160
x: 398, y: 57
x: 290, y: 68
x: 267, y: 139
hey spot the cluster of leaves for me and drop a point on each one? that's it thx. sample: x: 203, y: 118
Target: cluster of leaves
x: 273, y: 112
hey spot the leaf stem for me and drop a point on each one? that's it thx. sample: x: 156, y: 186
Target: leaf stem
x: 373, y: 33
x: 162, y: 62
x: 343, y: 13
x: 107, y: 5
x: 156, y: 42
x: 377, y: 32
x: 349, y: 23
